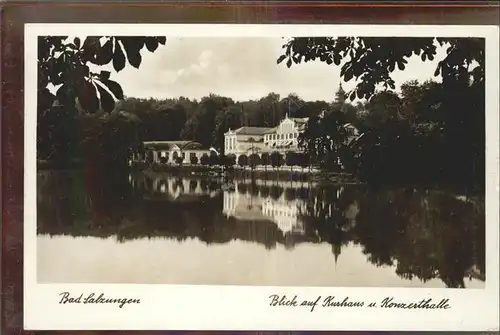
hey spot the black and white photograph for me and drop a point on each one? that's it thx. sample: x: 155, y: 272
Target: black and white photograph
x: 349, y: 161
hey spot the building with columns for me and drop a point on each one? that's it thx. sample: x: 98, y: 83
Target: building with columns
x: 168, y: 151
x: 282, y: 138
x: 245, y: 140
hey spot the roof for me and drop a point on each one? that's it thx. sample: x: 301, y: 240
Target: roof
x: 252, y: 130
x: 271, y: 130
x: 299, y: 120
x: 189, y: 145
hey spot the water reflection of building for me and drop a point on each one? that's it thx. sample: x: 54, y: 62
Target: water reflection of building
x: 243, y: 206
x: 70, y: 203
x: 159, y: 186
x: 247, y: 207
x: 284, y: 213
x: 350, y: 214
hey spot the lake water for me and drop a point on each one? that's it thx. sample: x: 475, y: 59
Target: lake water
x: 153, y: 228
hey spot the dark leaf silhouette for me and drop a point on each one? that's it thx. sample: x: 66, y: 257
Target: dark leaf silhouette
x: 162, y: 40
x: 65, y: 95
x: 133, y: 46
x: 104, y: 75
x: 118, y: 58
x: 134, y: 58
x: 105, y: 54
x: 115, y: 88
x: 151, y: 44
x: 77, y: 42
x: 107, y: 101
x: 88, y: 97
x: 91, y: 47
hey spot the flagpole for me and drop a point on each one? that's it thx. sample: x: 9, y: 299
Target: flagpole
x: 289, y: 106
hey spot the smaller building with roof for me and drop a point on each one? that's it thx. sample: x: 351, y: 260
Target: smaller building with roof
x: 173, y: 152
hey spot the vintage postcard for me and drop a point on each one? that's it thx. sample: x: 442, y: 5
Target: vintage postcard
x: 319, y: 177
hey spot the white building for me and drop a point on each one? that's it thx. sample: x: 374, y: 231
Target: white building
x: 245, y: 140
x: 168, y: 151
x: 248, y: 140
x: 284, y: 137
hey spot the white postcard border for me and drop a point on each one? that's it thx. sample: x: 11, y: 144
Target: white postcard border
x: 184, y: 307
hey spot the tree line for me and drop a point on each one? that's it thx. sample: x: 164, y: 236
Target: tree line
x: 420, y: 134
x: 67, y: 134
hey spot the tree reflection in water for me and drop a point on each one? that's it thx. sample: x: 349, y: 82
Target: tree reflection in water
x: 423, y: 234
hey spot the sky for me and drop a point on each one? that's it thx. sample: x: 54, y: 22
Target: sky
x: 240, y: 68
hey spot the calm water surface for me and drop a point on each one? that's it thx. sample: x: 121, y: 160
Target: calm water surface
x: 155, y: 228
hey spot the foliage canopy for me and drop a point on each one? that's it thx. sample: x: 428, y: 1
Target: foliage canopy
x: 64, y: 63
x: 372, y: 60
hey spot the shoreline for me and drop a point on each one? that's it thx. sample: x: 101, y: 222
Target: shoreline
x: 297, y: 174
x: 284, y: 173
